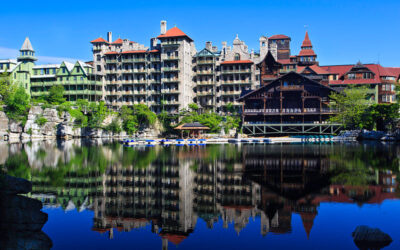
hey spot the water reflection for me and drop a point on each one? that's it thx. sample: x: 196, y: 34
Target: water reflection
x: 170, y: 188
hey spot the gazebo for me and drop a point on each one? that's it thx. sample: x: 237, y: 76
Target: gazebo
x: 194, y: 129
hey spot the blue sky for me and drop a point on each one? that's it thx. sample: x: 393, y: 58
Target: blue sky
x: 342, y: 31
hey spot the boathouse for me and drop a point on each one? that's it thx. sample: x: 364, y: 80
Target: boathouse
x: 289, y: 104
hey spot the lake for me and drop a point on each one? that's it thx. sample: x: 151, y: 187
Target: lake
x: 102, y: 195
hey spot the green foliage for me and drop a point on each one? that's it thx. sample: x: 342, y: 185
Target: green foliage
x: 81, y: 120
x: 167, y: 122
x: 5, y: 86
x: 40, y: 120
x: 356, y: 112
x: 138, y: 116
x: 29, y: 132
x: 144, y: 115
x: 231, y: 122
x: 352, y: 105
x: 211, y: 120
x: 114, y: 126
x: 194, y: 106
x: 17, y: 102
x: 98, y: 113
x: 64, y: 107
x: 56, y: 95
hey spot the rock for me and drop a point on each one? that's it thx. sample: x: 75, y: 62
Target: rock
x: 370, y: 238
x: 14, y: 185
x: 25, y: 240
x: 15, y: 127
x: 20, y: 213
x: 51, y: 115
x: 3, y: 123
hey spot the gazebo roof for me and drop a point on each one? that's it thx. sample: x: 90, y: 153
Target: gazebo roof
x: 192, y: 126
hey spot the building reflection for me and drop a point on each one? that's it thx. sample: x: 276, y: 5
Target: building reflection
x: 170, y: 188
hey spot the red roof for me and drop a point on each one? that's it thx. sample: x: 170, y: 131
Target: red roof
x: 306, y: 42
x: 153, y: 51
x: 111, y: 53
x: 286, y: 61
x: 134, y: 51
x: 174, y: 238
x: 99, y: 40
x: 377, y: 69
x: 118, y: 41
x: 174, y: 32
x: 279, y: 37
x: 238, y: 62
x: 317, y: 69
x: 307, y: 52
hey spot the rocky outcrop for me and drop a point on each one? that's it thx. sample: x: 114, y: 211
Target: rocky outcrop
x: 370, y: 238
x: 48, y: 130
x: 61, y: 126
x: 21, y: 220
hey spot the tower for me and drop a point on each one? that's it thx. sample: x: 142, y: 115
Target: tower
x: 27, y: 59
x: 307, y: 55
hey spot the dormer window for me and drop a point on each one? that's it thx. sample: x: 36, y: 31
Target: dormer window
x: 367, y: 75
x: 351, y: 76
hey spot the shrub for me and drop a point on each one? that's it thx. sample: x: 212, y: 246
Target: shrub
x: 40, y: 121
x: 114, y: 126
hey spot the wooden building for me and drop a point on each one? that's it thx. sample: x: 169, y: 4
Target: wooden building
x: 289, y: 104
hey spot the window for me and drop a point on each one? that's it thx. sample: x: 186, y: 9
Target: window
x: 237, y: 57
x: 367, y: 75
x: 78, y: 70
x: 98, y: 68
x: 54, y: 71
x: 64, y: 70
x: 98, y: 58
x: 351, y: 76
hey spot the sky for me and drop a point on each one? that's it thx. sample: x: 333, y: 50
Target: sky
x: 342, y: 31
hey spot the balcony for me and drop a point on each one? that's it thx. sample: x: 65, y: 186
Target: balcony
x: 134, y: 60
x: 292, y: 88
x: 155, y: 59
x: 171, y: 58
x: 203, y: 62
x: 205, y: 72
x: 246, y: 82
x: 111, y: 60
x: 170, y: 103
x: 236, y: 71
x: 233, y: 103
x: 291, y: 111
x: 205, y: 83
x: 111, y: 71
x: 236, y: 92
x: 170, y: 69
x: 169, y: 80
x: 170, y: 91
x: 170, y: 43
x: 205, y: 93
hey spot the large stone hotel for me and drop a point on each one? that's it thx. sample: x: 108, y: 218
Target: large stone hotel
x: 171, y: 73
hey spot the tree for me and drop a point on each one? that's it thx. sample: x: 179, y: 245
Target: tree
x: 383, y: 116
x: 351, y: 106
x: 194, y: 107
x: 17, y: 102
x: 56, y: 95
x: 5, y: 86
x: 144, y: 115
x: 98, y: 113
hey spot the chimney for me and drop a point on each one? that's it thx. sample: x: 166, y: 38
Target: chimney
x: 209, y: 46
x: 109, y: 37
x: 153, y: 43
x: 163, y: 27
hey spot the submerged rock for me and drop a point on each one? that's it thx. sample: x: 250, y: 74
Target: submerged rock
x: 21, y: 220
x: 13, y: 185
x: 370, y: 238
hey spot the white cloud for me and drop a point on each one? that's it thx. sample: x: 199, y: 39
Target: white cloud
x: 7, y: 53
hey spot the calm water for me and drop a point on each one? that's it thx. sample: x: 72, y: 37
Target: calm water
x: 106, y: 196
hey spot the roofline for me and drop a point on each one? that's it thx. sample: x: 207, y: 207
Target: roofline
x: 292, y: 72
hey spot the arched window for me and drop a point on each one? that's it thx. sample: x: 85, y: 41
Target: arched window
x: 237, y: 57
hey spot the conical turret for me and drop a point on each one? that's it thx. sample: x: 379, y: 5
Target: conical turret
x: 26, y: 52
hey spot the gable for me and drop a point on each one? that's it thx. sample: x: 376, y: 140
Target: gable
x: 289, y: 79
